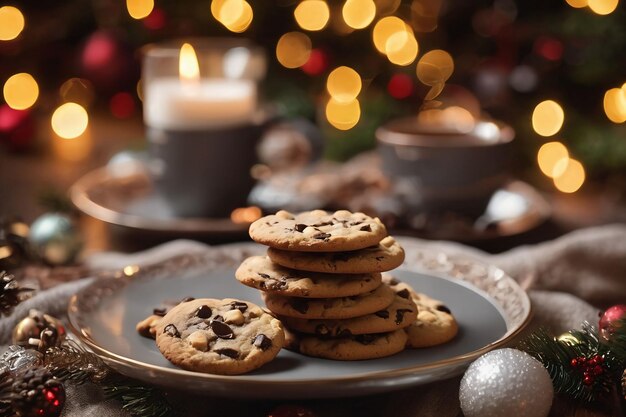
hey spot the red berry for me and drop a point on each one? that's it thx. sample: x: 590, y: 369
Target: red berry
x: 587, y: 380
x: 597, y: 370
x: 610, y: 320
x: 574, y: 363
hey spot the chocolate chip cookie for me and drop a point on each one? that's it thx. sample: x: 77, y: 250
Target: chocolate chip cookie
x: 435, y: 323
x: 400, y: 314
x: 318, y: 231
x: 226, y: 337
x: 261, y: 273
x: 330, y: 308
x: 385, y: 256
x: 352, y: 348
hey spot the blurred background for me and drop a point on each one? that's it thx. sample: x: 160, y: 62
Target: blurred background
x: 553, y: 71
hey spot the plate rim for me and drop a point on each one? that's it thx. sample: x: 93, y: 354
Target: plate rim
x: 457, y: 360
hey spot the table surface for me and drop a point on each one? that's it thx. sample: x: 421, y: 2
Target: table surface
x: 24, y: 176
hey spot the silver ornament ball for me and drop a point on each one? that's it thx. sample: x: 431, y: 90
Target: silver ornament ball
x: 507, y: 383
x: 55, y: 238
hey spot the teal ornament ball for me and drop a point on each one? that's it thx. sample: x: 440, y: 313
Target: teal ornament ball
x: 506, y: 383
x: 55, y: 239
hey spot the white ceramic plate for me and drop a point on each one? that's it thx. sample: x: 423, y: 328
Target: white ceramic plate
x: 489, y: 306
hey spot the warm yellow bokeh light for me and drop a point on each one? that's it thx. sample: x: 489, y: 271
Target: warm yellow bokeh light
x: 549, y: 156
x: 293, y: 49
x: 572, y: 178
x: 402, y: 47
x: 343, y: 116
x: 548, y: 118
x: 11, y: 23
x: 21, y: 91
x: 216, y: 7
x: 384, y: 29
x: 188, y: 67
x: 615, y: 105
x: 435, y: 67
x: 387, y: 7
x: 69, y: 120
x: 243, y: 215
x: 235, y: 15
x: 358, y: 14
x: 312, y: 14
x: 138, y: 9
x: 243, y: 22
x: 344, y: 84
x: 578, y: 4
x: 603, y: 7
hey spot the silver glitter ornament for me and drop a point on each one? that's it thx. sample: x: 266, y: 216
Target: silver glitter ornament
x: 507, y: 383
x: 55, y: 238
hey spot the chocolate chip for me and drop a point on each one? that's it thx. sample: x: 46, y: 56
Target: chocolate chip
x: 321, y: 235
x: 344, y: 333
x: 400, y: 314
x: 159, y: 312
x: 171, y: 330
x: 300, y: 305
x: 204, y: 312
x: 393, y: 281
x: 355, y: 223
x: 299, y: 227
x: 231, y: 353
x: 404, y: 293
x: 222, y: 330
x: 320, y: 224
x: 322, y: 330
x: 239, y: 305
x: 365, y: 339
x: 218, y: 318
x: 366, y: 228
x: 187, y: 299
x: 277, y: 285
x: 262, y: 342
x: 262, y: 275
x: 383, y: 314
x: 444, y: 309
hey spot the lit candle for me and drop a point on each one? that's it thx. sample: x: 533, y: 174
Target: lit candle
x: 189, y: 102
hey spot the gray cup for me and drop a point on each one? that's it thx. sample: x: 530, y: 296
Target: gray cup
x: 444, y: 171
x: 204, y: 173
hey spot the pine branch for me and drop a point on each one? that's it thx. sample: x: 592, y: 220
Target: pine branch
x: 139, y: 400
x: 70, y: 362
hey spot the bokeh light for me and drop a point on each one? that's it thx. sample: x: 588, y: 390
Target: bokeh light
x: 548, y: 118
x: 603, y: 7
x: 400, y: 86
x: 77, y: 90
x: 122, y: 105
x: 549, y: 156
x: 344, y: 84
x: 343, y: 116
x: 21, y: 91
x: 293, y: 49
x: 138, y: 9
x: 425, y: 14
x: 69, y: 120
x: 435, y: 67
x: 384, y: 29
x: 387, y: 7
x: 615, y: 105
x: 312, y: 14
x: 235, y: 15
x: 578, y: 4
x: 11, y: 23
x: 572, y: 178
x: 243, y: 215
x: 402, y: 48
x: 358, y: 14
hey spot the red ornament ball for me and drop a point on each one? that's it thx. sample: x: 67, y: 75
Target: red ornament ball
x: 400, y: 86
x: 17, y: 128
x: 155, y: 20
x: 316, y: 64
x: 610, y: 320
x: 291, y: 411
x: 122, y: 105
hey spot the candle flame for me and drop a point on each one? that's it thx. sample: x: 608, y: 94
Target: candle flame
x: 188, y: 64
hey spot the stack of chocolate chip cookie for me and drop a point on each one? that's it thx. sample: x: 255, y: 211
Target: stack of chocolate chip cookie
x: 322, y: 278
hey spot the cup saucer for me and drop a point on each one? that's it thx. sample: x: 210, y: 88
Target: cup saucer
x: 127, y: 198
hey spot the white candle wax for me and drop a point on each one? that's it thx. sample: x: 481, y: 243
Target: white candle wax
x: 206, y: 104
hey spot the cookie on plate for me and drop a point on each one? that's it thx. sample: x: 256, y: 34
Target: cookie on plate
x: 261, y: 273
x: 147, y: 326
x: 384, y: 256
x: 400, y: 314
x: 351, y: 348
x: 226, y: 337
x: 318, y: 231
x: 435, y: 323
x: 330, y: 308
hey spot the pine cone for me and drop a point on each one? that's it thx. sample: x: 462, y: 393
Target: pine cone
x: 36, y: 393
x: 10, y: 293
